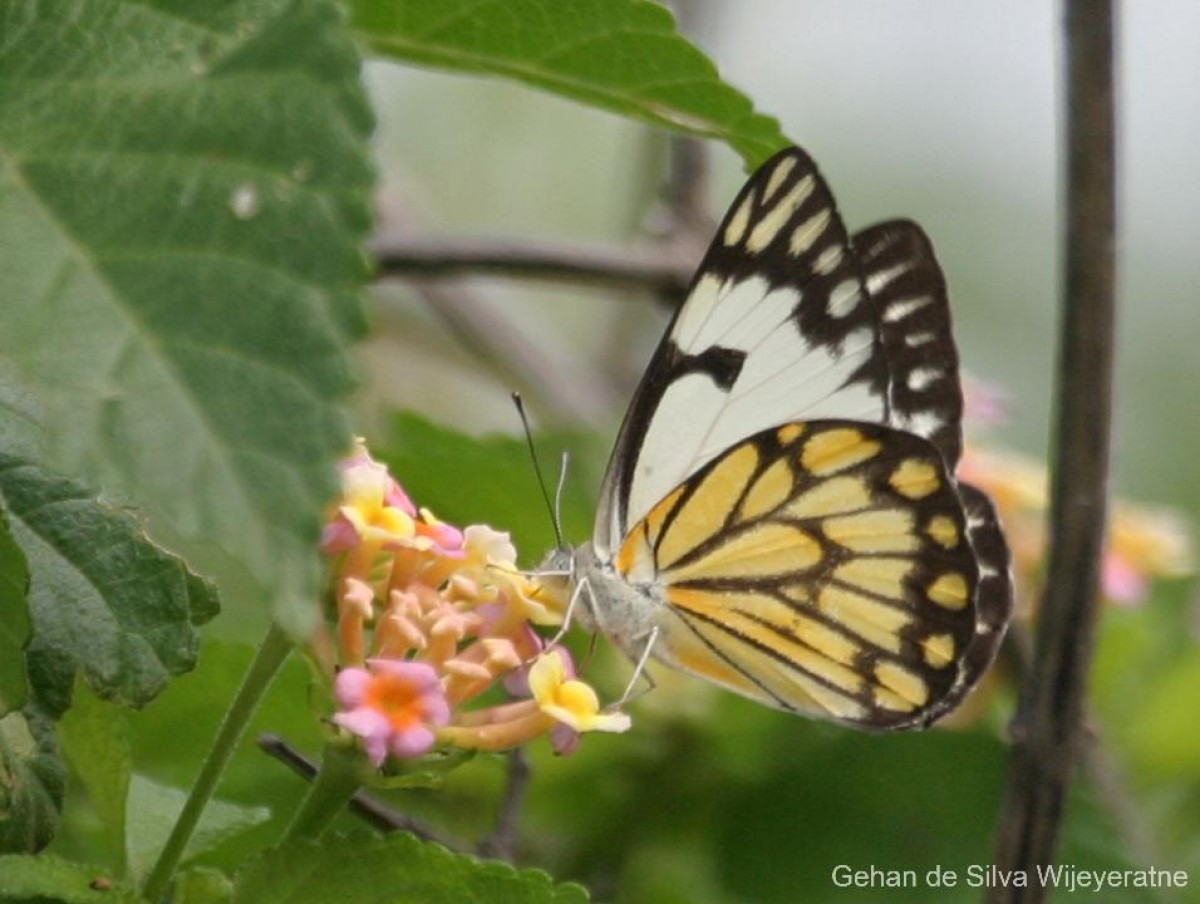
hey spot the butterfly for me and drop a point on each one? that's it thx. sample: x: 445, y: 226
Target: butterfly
x: 780, y: 515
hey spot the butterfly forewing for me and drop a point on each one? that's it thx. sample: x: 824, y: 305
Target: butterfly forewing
x: 777, y: 327
x: 908, y: 292
x: 822, y: 567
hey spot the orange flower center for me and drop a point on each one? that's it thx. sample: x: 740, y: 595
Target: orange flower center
x: 396, y: 698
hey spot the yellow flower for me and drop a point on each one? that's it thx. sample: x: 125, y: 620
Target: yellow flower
x: 568, y: 700
x: 562, y: 705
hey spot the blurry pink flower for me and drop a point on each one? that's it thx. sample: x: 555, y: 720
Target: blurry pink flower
x: 393, y: 706
x: 1121, y: 580
x: 1143, y: 544
x: 985, y: 405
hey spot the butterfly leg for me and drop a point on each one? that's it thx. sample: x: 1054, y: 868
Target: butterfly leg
x: 576, y: 595
x: 639, y: 672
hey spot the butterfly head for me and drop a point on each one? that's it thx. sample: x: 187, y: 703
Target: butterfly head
x: 592, y: 594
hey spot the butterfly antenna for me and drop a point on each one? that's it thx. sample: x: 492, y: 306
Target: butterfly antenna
x: 558, y: 492
x: 551, y: 507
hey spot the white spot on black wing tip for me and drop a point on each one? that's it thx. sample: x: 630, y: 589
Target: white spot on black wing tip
x: 905, y: 307
x: 915, y: 340
x: 993, y: 598
x: 878, y: 280
x: 921, y: 378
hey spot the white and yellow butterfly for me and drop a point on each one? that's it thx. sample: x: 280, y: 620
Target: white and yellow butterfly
x: 780, y: 515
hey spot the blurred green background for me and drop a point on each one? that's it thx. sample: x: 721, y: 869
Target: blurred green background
x: 947, y: 113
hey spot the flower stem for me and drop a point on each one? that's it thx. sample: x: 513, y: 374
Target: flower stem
x: 272, y: 653
x: 336, y: 782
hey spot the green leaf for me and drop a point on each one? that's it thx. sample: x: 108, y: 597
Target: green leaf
x: 396, y: 869
x: 624, y: 56
x: 183, y: 193
x: 15, y: 625
x: 94, y: 737
x: 20, y: 414
x: 104, y: 598
x: 50, y: 879
x: 489, y: 480
x: 153, y: 809
x: 32, y: 781
x: 202, y: 885
x: 171, y: 737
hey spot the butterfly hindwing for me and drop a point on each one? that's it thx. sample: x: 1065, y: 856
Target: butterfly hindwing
x: 821, y: 567
x: 777, y: 326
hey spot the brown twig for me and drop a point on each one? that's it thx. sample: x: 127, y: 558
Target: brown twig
x: 517, y: 360
x: 1048, y: 733
x: 371, y: 810
x: 654, y: 269
x: 502, y: 842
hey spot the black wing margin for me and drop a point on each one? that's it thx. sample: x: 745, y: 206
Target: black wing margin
x: 993, y: 599
x: 911, y: 302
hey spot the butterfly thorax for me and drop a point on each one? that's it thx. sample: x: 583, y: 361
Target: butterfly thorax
x: 608, y: 602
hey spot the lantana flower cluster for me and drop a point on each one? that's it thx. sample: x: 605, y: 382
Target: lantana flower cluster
x: 428, y: 619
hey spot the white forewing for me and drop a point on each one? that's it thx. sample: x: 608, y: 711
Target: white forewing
x: 671, y: 444
x: 782, y: 379
x: 740, y: 315
x: 778, y: 327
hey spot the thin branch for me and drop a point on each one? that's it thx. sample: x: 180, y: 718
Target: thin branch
x: 1048, y: 732
x: 664, y: 268
x: 687, y: 189
x: 654, y: 269
x: 520, y: 363
x: 363, y: 805
x: 502, y: 842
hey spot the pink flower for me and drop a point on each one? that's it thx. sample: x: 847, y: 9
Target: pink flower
x: 429, y: 619
x: 374, y: 507
x: 1121, y: 580
x: 375, y: 510
x: 442, y: 537
x: 985, y: 405
x: 393, y: 706
x: 1143, y: 544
